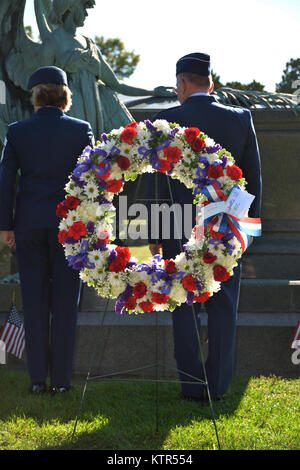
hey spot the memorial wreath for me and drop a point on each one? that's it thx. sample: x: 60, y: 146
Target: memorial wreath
x: 218, y: 238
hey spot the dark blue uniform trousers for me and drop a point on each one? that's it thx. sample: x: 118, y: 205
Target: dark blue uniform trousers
x: 221, y: 311
x: 50, y: 292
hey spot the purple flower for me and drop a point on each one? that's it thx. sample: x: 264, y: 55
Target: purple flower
x: 78, y: 181
x: 90, y: 227
x: 213, y: 148
x: 150, y: 126
x: 112, y: 256
x: 173, y: 132
x: 119, y: 305
x: 105, y: 138
x: 80, y: 261
x: 103, y: 200
x: 202, y: 159
x: 190, y: 298
x: 70, y: 241
x: 100, y: 246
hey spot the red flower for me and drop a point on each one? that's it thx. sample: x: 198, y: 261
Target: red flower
x: 131, y: 124
x: 170, y: 266
x: 120, y: 262
x: 215, y: 171
x: 158, y: 298
x: 234, y: 172
x: 117, y: 265
x: 172, y: 154
x: 202, y: 297
x: 139, y: 290
x: 114, y: 186
x: 191, y: 134
x: 220, y: 273
x: 106, y: 175
x: 72, y: 202
x: 130, y: 303
x: 77, y: 230
x: 217, y: 235
x: 123, y: 253
x: 208, y: 257
x: 128, y: 134
x: 165, y: 166
x: 123, y: 163
x: 189, y: 282
x: 62, y: 210
x: 62, y: 235
x: 103, y: 237
x: 198, y: 145
x: 147, y: 306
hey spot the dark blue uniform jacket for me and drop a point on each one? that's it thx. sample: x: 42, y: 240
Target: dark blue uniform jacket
x: 45, y: 149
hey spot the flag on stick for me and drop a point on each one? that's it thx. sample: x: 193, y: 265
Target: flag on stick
x: 13, y: 334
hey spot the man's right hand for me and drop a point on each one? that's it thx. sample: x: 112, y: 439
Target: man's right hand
x: 155, y: 249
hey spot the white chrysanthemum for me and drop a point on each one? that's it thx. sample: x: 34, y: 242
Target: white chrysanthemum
x: 90, y: 211
x: 73, y: 190
x: 178, y: 293
x: 91, y: 189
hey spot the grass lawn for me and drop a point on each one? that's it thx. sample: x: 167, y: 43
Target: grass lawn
x: 258, y: 414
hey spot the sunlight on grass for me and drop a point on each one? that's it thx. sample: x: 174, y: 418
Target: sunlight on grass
x: 259, y: 413
x: 142, y: 253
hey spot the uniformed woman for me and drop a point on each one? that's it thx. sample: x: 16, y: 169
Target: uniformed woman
x: 44, y: 148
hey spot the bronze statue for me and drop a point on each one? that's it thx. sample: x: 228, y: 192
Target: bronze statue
x: 94, y: 85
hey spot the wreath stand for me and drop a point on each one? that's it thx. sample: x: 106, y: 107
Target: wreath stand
x: 115, y: 376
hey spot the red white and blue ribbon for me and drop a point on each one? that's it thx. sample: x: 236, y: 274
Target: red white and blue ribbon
x: 219, y: 220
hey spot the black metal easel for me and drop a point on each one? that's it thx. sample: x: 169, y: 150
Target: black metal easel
x: 115, y: 376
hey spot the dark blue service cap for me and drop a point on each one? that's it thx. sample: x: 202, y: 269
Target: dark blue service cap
x: 196, y: 62
x: 50, y: 74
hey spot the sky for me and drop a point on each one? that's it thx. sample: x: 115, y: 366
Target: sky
x: 246, y: 39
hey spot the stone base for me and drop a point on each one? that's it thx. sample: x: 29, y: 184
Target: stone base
x: 127, y: 342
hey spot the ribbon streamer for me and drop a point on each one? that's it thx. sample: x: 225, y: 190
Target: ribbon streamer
x: 219, y: 220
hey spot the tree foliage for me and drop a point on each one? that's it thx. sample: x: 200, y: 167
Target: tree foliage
x: 253, y: 86
x: 122, y: 62
x: 291, y: 73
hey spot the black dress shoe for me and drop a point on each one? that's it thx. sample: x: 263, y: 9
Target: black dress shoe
x: 58, y: 389
x: 38, y: 388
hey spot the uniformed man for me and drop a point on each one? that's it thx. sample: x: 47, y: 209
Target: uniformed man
x: 233, y: 129
x: 44, y: 149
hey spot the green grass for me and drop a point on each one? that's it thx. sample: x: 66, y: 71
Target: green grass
x: 258, y: 414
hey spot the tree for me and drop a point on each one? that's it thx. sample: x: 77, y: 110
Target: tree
x: 291, y: 73
x: 122, y: 62
x: 216, y: 80
x: 253, y: 86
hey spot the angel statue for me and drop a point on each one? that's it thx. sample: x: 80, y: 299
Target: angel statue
x: 94, y: 85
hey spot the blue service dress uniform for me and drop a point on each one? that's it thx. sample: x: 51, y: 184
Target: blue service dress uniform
x: 44, y: 148
x: 232, y: 128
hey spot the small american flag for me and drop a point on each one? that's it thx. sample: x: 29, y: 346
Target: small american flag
x: 13, y: 334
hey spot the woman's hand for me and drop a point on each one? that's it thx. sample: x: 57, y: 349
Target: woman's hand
x: 8, y: 237
x: 164, y: 91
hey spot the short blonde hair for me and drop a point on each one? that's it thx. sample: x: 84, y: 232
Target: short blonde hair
x: 50, y: 94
